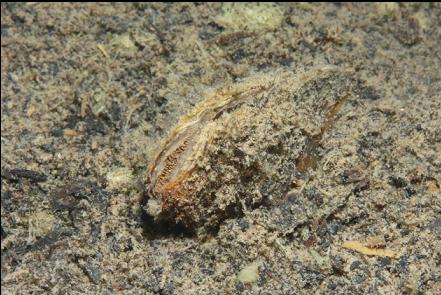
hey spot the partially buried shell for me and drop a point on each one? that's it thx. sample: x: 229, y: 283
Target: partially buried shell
x: 239, y: 146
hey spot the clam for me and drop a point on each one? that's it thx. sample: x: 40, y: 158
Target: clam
x: 242, y: 145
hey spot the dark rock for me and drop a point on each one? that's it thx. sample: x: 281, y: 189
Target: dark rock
x: 285, y: 61
x: 57, y: 132
x: 355, y: 265
x: 371, y: 144
x: 364, y: 184
x: 4, y: 32
x: 334, y: 227
x: 397, y: 182
x: 95, y: 126
x: 7, y: 199
x: 15, y: 174
x: 402, y: 263
x: 263, y: 66
x: 369, y: 93
x: 204, y: 35
x: 350, y: 176
x: 93, y: 271
x: 160, y: 100
x: 215, y: 27
x: 409, y: 191
x: 207, y: 271
x: 240, y: 288
x: 243, y: 224
x: 238, y: 55
x: 314, y: 195
x: 47, y: 147
x: 67, y: 197
x: 57, y: 234
x: 384, y: 262
x: 338, y: 264
x: 435, y: 226
x: 53, y: 69
x: 332, y: 286
x: 116, y: 111
x: 360, y: 277
x: 311, y: 278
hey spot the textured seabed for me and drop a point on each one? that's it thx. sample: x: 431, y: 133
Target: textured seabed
x: 88, y: 91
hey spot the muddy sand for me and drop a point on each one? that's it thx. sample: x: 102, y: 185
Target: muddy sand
x: 90, y: 91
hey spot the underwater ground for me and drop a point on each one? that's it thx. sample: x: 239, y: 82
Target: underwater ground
x: 88, y: 91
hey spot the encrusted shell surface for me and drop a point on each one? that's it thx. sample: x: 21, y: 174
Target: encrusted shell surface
x: 242, y: 145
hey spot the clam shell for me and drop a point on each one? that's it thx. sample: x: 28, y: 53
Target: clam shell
x: 242, y: 145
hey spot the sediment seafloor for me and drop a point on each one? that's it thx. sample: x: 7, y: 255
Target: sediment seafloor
x: 89, y: 92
